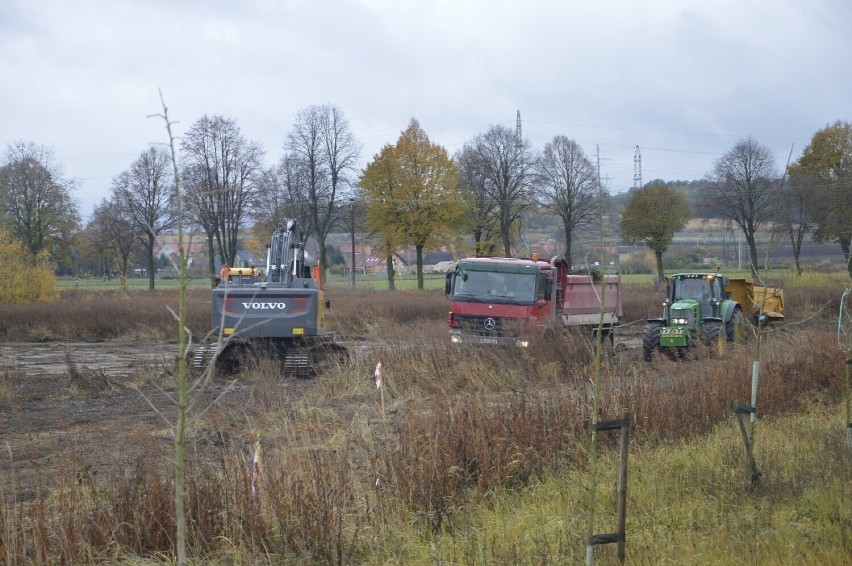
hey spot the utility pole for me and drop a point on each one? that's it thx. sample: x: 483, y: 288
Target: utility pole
x: 352, y: 229
x: 739, y: 252
x: 595, y: 417
x: 519, y: 164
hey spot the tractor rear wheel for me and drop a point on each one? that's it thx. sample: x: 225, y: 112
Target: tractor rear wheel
x: 714, y: 337
x: 734, y: 328
x: 651, y: 339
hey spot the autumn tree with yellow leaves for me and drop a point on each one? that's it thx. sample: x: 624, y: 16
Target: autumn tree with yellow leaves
x: 412, y: 194
x: 822, y: 179
x: 652, y: 216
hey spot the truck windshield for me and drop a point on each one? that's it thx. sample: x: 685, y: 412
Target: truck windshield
x: 490, y: 286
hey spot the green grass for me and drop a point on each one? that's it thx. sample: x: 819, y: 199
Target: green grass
x: 432, y: 281
x: 370, y: 282
x: 687, y: 504
x: 808, y: 279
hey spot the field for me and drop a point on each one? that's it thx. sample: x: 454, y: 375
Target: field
x: 374, y: 282
x: 479, y: 457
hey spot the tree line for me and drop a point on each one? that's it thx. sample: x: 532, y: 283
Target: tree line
x: 811, y: 196
x: 411, y: 194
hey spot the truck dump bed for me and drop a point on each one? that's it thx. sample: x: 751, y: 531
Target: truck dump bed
x: 581, y: 304
x: 752, y: 296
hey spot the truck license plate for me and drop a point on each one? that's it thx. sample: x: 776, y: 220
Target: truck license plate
x: 488, y: 341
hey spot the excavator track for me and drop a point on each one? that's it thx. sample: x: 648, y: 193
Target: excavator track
x: 303, y: 361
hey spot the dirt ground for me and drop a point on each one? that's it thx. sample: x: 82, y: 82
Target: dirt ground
x: 71, y: 408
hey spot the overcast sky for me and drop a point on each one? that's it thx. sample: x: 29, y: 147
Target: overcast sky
x: 684, y: 80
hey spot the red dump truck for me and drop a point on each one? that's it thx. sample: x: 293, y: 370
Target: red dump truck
x: 507, y: 301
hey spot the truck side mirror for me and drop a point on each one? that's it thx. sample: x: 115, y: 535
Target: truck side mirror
x: 448, y: 283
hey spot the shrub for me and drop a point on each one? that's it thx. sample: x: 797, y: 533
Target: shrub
x: 638, y: 264
x: 30, y: 279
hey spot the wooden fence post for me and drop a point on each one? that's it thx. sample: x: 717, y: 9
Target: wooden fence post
x: 619, y: 536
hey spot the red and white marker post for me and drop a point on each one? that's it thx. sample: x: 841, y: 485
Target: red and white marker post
x: 381, y: 388
x: 255, y: 474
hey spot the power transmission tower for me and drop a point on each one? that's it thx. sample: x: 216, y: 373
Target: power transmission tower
x: 519, y: 138
x: 637, y: 169
x: 519, y: 164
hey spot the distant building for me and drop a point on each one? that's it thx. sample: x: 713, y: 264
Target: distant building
x: 168, y: 251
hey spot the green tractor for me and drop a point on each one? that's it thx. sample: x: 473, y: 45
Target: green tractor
x: 698, y: 311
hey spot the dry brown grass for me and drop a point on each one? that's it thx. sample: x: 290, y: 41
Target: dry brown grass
x: 96, y: 316
x: 341, y: 482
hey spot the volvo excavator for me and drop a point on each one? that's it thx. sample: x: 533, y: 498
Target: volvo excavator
x: 279, y: 315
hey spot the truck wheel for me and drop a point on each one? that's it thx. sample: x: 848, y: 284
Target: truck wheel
x: 734, y: 328
x: 713, y: 335
x: 651, y: 339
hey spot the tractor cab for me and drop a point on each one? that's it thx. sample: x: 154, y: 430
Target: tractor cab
x: 698, y: 293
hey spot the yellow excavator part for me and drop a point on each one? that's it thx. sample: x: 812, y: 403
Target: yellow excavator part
x: 244, y: 271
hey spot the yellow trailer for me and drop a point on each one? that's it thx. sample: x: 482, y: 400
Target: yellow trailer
x: 753, y: 298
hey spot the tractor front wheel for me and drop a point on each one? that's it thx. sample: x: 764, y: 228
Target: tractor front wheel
x: 714, y: 337
x: 651, y: 339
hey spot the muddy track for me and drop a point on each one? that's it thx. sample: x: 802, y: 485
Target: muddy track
x: 84, y: 409
x: 72, y: 408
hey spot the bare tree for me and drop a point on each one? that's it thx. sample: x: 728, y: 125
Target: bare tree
x: 275, y: 200
x: 188, y: 393
x: 475, y: 190
x: 97, y: 254
x: 220, y: 174
x: 568, y: 186
x: 114, y: 234
x: 145, y: 193
x: 323, y: 150
x: 35, y: 199
x: 796, y: 211
x: 741, y: 190
x: 187, y: 396
x: 200, y: 209
x: 506, y: 168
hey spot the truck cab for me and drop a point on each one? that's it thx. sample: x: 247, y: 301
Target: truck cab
x: 497, y: 300
x: 509, y: 300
